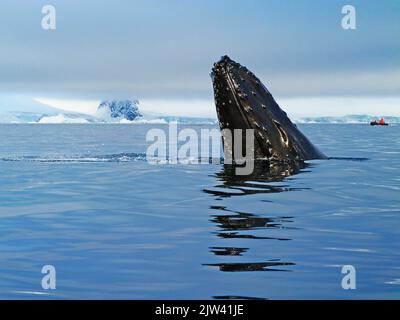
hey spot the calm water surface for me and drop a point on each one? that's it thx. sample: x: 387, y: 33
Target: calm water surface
x: 81, y: 198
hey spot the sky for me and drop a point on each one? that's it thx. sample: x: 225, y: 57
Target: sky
x: 161, y: 53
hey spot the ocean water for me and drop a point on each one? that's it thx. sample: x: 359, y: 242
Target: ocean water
x: 83, y: 199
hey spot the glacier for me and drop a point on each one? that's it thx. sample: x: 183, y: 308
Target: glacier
x: 62, y: 118
x: 105, y: 117
x: 348, y: 119
x: 108, y: 111
x: 127, y: 112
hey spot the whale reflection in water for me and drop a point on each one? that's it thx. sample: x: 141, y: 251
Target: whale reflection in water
x: 235, y: 221
x: 254, y: 266
x: 259, y: 181
x: 240, y: 225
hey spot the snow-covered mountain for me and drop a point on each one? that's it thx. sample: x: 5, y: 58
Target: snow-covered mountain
x: 119, y: 109
x: 109, y: 111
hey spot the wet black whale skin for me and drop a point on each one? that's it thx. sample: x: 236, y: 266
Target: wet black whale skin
x: 243, y: 102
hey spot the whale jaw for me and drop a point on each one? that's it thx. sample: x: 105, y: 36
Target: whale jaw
x: 243, y: 102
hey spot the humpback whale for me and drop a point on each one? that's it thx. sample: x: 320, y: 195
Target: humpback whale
x: 243, y: 102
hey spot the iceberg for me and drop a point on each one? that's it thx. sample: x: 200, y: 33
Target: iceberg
x: 118, y: 109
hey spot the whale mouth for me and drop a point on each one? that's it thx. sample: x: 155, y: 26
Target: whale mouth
x: 282, y: 132
x: 243, y: 102
x: 235, y: 92
x: 233, y: 108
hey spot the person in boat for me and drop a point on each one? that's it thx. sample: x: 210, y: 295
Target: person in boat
x: 375, y: 122
x: 382, y: 121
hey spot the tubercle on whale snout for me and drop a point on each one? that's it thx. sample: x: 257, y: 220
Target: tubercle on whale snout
x: 243, y: 102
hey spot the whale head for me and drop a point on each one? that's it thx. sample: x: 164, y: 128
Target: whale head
x: 243, y: 102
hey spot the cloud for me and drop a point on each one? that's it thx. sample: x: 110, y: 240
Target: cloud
x: 161, y: 52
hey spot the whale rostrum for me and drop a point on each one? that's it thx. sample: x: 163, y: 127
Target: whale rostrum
x: 243, y: 102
